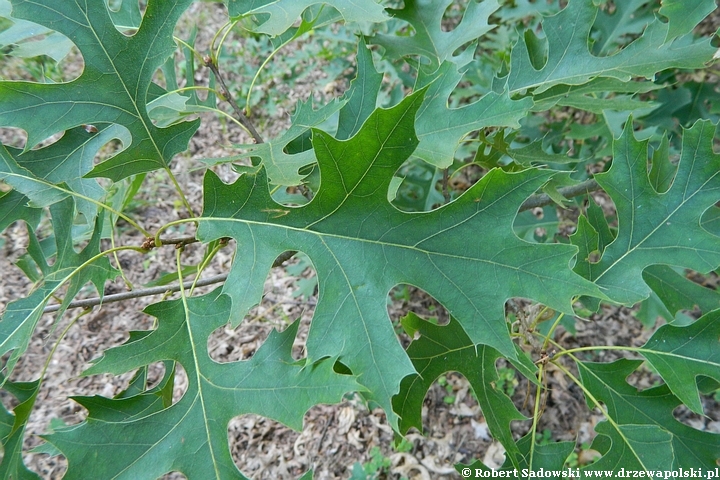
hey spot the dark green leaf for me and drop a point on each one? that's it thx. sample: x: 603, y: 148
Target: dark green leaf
x: 656, y: 228
x: 681, y: 354
x: 631, y: 409
x: 360, y: 258
x: 446, y: 349
x: 191, y: 435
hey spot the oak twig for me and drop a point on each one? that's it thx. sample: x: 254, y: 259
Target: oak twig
x: 244, y: 120
x: 568, y: 192
x: 146, y: 292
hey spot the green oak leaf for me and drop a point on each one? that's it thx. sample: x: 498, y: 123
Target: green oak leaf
x: 655, y: 228
x: 362, y: 246
x: 12, y: 429
x: 676, y: 292
x: 445, y: 349
x: 282, y: 168
x: 190, y: 436
x: 361, y: 96
x: 357, y: 104
x: 276, y: 16
x: 674, y: 352
x: 113, y: 87
x: 684, y: 15
x: 440, y: 129
x: 596, y: 95
x: 630, y: 408
x: 628, y: 18
x: 570, y: 62
x: 429, y: 40
x: 14, y: 206
x: 637, y: 448
x: 37, y: 173
x: 135, y: 402
x: 21, y: 316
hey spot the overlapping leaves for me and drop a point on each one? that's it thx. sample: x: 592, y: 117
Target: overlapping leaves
x: 465, y: 253
x: 52, y: 270
x: 191, y: 435
x: 649, y: 413
x: 654, y: 228
x: 113, y: 88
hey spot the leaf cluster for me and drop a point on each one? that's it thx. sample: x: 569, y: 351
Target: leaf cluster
x: 461, y: 159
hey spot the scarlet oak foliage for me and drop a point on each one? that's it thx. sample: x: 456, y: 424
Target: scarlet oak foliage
x: 362, y: 246
x: 504, y: 100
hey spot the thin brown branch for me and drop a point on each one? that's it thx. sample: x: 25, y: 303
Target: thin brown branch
x: 231, y: 100
x: 445, y: 182
x: 146, y: 292
x: 568, y: 192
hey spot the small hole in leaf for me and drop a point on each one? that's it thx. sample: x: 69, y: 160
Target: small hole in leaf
x: 181, y: 383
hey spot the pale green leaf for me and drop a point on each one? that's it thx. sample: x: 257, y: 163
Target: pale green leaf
x: 571, y: 63
x: 440, y: 129
x: 28, y: 39
x: 113, y: 87
x: 276, y: 16
x: 282, y: 167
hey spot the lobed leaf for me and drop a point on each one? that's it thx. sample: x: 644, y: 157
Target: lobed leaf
x: 190, y: 436
x: 113, y: 88
x: 362, y: 246
x: 428, y: 39
x: 570, y: 62
x: 656, y: 228
x: 21, y: 316
x: 440, y: 129
x: 445, y: 349
x: 681, y: 354
x: 648, y: 414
